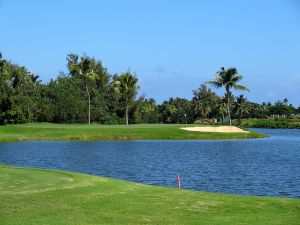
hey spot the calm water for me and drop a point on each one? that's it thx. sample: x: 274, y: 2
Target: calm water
x: 268, y: 166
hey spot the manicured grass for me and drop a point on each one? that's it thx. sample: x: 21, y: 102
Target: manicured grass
x: 34, y: 196
x: 48, y: 131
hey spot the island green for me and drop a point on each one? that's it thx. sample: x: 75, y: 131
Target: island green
x: 84, y: 132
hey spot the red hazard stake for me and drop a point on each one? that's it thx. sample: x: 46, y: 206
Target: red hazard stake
x: 178, y: 182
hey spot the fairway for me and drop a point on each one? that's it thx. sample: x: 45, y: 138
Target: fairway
x: 35, y: 196
x: 84, y: 132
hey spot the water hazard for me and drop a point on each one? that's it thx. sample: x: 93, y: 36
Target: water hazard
x: 268, y: 167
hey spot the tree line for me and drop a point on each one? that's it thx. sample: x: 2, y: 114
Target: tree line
x: 87, y: 93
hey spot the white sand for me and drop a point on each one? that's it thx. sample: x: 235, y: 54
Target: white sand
x: 223, y: 129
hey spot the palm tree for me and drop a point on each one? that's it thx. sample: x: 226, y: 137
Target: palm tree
x: 228, y: 79
x: 222, y: 107
x: 204, y: 109
x: 84, y: 70
x: 126, y: 85
x: 242, y: 106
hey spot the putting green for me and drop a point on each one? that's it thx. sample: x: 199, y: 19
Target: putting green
x: 20, y: 181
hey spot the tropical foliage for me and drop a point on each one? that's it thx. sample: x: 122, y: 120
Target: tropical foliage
x: 87, y: 93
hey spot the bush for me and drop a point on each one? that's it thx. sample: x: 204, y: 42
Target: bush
x: 267, y: 123
x: 206, y: 122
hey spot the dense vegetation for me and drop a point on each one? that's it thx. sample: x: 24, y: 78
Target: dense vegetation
x: 35, y: 196
x: 87, y: 93
x: 269, y: 123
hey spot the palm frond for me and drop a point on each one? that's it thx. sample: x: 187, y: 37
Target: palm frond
x: 232, y: 70
x: 221, y: 71
x: 237, y: 78
x: 215, y: 83
x: 240, y: 87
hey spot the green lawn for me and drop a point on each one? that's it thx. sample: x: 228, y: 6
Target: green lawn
x: 34, y: 196
x: 48, y: 131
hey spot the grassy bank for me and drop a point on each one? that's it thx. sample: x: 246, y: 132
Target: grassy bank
x: 48, y: 131
x: 33, y: 196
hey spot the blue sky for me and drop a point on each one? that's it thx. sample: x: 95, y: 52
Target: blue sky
x: 172, y: 46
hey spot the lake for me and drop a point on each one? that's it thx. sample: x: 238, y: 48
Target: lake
x: 264, y: 167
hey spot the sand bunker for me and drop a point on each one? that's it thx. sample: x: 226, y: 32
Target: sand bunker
x: 223, y: 129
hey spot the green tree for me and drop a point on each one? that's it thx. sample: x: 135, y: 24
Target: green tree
x: 204, y: 102
x: 178, y: 110
x: 259, y: 110
x: 203, y: 109
x: 18, y: 94
x: 126, y: 86
x: 148, y: 111
x: 92, y: 73
x: 282, y: 108
x: 69, y: 100
x: 2, y: 62
x: 242, y: 106
x: 228, y: 79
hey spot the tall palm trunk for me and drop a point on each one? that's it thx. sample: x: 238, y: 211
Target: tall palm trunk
x: 126, y: 115
x: 89, y: 103
x: 126, y: 111
x: 228, y: 105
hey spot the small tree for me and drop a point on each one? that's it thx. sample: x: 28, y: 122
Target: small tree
x: 90, y: 72
x: 83, y: 70
x: 126, y: 85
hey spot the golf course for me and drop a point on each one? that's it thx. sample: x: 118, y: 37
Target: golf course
x: 35, y: 196
x: 42, y: 196
x: 149, y: 112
